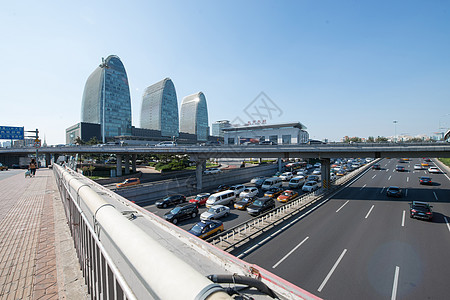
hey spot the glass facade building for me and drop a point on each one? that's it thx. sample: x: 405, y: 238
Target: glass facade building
x: 194, y: 116
x: 159, y: 110
x: 218, y: 126
x: 106, y: 99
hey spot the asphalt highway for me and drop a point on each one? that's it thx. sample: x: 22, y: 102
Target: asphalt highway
x: 361, y: 244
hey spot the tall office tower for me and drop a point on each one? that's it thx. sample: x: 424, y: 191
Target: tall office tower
x: 194, y: 116
x: 159, y: 110
x: 106, y: 99
x: 218, y: 126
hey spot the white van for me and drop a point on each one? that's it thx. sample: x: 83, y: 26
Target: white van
x: 166, y: 144
x: 222, y: 198
x: 271, y: 183
x: 297, y: 182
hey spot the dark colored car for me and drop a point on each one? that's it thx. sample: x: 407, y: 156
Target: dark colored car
x: 273, y: 192
x: 400, y: 168
x: 221, y: 188
x: 243, y: 203
x: 420, y: 210
x: 267, y: 143
x: 261, y: 205
x: 171, y: 200
x: 394, y: 191
x: 3, y: 167
x: 425, y: 180
x: 182, y: 212
x: 207, y: 228
x: 376, y: 167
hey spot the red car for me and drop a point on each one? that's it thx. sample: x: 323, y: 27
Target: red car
x: 287, y: 195
x: 200, y: 199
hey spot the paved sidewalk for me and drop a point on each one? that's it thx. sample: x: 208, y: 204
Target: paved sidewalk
x: 37, y: 257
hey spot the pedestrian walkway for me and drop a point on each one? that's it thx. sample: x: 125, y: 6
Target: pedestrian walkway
x: 37, y: 257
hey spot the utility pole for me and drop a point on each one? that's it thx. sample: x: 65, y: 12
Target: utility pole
x: 37, y: 141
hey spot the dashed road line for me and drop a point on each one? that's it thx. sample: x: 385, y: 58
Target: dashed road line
x: 395, y: 285
x: 435, y: 196
x: 389, y: 178
x: 374, y: 176
x: 331, y: 271
x: 448, y: 225
x: 407, y: 179
x: 369, y: 212
x: 382, y: 189
x: 363, y: 187
x: 403, y: 219
x: 342, y: 206
x: 290, y: 252
x: 406, y: 193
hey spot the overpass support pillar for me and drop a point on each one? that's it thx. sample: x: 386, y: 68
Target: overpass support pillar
x: 127, y: 164
x: 280, y: 164
x: 199, y: 167
x: 119, y: 165
x: 325, y: 173
x: 133, y: 163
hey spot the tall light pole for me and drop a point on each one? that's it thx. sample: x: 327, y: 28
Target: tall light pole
x: 395, y: 130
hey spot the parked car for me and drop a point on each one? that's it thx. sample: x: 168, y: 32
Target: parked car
x: 215, y: 212
x: 258, y: 181
x: 3, y: 167
x: 420, y: 210
x: 243, y: 203
x: 182, y: 212
x: 261, y: 205
x: 273, y: 192
x: 249, y: 192
x: 310, y: 186
x: 394, y: 191
x: 224, y: 198
x: 434, y: 170
x: 171, y: 200
x: 212, y: 171
x: 286, y: 176
x: 376, y: 167
x: 425, y: 180
x: 166, y: 144
x: 237, y: 188
x: 205, y: 229
x: 287, y: 195
x: 128, y: 182
x: 200, y: 199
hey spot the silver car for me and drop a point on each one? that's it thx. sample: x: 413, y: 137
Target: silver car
x: 215, y: 212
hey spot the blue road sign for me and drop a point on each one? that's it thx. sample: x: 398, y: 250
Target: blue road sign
x: 11, y: 133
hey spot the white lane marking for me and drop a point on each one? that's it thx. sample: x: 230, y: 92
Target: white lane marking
x: 403, y: 219
x: 435, y: 196
x: 290, y: 252
x: 389, y: 178
x: 395, y: 285
x: 448, y: 225
x: 342, y: 206
x: 369, y: 212
x: 387, y: 170
x: 363, y: 187
x: 374, y: 176
x: 393, y: 170
x: 407, y: 179
x: 382, y: 189
x: 331, y: 271
x: 406, y: 193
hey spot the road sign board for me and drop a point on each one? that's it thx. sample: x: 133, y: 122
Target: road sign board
x: 11, y: 133
x: 37, y: 143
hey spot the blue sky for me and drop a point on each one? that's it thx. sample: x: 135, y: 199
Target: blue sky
x: 342, y: 68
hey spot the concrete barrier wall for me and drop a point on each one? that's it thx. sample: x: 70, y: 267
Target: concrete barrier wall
x: 150, y: 192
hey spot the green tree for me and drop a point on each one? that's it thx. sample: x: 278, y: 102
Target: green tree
x: 370, y: 139
x: 381, y: 139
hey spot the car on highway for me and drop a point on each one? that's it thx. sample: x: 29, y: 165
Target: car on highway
x: 200, y: 199
x: 258, y: 181
x: 243, y: 203
x: 249, y: 192
x: 3, y: 167
x: 418, y: 167
x: 394, y: 191
x: 237, y: 188
x: 313, y: 178
x: 215, y: 212
x: 223, y: 198
x: 434, y: 170
x: 271, y: 183
x: 128, y: 182
x: 166, y: 144
x: 317, y: 172
x: 420, y: 210
x: 170, y: 200
x: 273, y: 192
x: 333, y: 176
x: 297, y: 182
x: 317, y: 165
x: 310, y: 186
x: 400, y: 168
x: 341, y: 172
x: 268, y: 143
x: 427, y: 159
x: 286, y: 176
x: 425, y: 180
x: 221, y: 188
x: 212, y: 171
x: 205, y: 229
x: 287, y: 195
x: 376, y: 167
x: 261, y: 205
x: 424, y: 164
x: 181, y: 212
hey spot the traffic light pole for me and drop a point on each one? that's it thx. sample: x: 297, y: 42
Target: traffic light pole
x: 36, y: 142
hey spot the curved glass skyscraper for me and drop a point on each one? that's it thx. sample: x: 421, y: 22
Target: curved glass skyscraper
x: 194, y: 116
x: 159, y: 110
x: 106, y: 99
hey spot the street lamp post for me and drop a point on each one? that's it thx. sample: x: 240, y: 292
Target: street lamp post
x: 395, y: 130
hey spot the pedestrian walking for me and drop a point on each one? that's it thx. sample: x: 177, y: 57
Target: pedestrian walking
x: 33, y: 167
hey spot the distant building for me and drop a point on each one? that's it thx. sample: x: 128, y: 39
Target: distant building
x: 218, y: 127
x: 106, y: 99
x: 194, y: 116
x: 159, y: 110
x: 85, y: 131
x: 282, y: 134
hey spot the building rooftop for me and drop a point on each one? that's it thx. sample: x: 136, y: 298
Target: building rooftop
x: 267, y: 126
